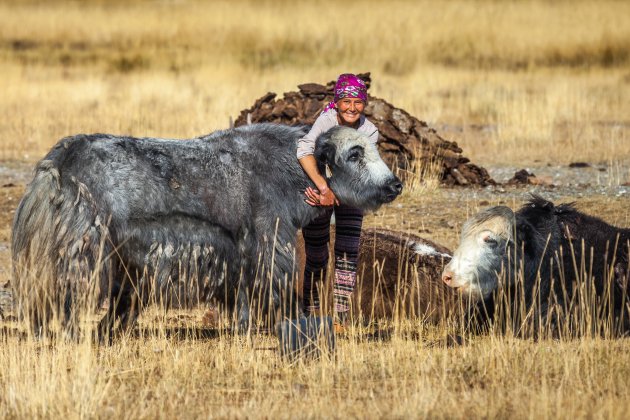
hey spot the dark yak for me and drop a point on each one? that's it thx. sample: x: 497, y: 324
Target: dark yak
x: 399, y: 274
x: 553, y: 265
x: 126, y: 219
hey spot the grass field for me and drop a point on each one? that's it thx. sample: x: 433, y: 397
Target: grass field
x: 518, y: 83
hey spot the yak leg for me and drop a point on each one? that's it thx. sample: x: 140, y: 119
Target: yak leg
x: 72, y: 306
x: 79, y: 299
x: 122, y: 313
x: 39, y: 321
x: 271, y: 294
x: 270, y: 291
x: 285, y: 297
x: 242, y: 311
x: 52, y: 302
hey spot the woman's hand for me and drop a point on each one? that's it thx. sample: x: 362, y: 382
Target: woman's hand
x: 324, y: 197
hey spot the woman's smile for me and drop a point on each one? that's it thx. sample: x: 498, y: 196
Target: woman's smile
x: 349, y: 110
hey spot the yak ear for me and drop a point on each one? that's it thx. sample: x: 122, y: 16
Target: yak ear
x: 325, y: 153
x: 526, y: 237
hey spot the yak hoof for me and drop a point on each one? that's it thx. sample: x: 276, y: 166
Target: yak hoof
x: 306, y: 337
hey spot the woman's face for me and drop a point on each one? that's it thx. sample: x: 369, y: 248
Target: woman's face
x: 350, y: 110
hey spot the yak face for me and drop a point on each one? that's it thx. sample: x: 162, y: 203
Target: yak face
x: 359, y: 178
x: 483, y: 249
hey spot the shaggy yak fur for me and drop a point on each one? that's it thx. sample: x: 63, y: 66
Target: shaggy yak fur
x: 559, y: 262
x: 128, y: 220
x: 398, y: 274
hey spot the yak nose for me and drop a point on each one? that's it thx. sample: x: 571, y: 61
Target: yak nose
x: 447, y: 277
x: 396, y: 186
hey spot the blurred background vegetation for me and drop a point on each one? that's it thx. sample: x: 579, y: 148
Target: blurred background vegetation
x: 511, y: 81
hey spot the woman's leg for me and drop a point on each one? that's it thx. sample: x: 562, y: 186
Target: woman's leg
x: 348, y: 233
x: 316, y: 238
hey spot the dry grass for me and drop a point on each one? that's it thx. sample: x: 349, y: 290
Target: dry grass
x: 164, y: 378
x: 512, y: 82
x: 412, y: 375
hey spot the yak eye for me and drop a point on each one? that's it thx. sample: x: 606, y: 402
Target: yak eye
x: 355, y: 154
x: 490, y: 241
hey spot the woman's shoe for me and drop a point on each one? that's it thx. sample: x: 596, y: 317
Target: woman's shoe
x: 339, y: 328
x: 340, y: 323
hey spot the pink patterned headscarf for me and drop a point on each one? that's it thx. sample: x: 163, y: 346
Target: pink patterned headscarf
x: 348, y: 86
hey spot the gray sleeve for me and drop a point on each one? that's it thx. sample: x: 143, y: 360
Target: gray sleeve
x: 374, y: 136
x: 306, y: 145
x: 371, y: 131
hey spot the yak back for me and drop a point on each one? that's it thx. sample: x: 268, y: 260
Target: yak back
x: 569, y: 238
x: 213, y: 180
x: 592, y: 239
x: 401, y: 273
x: 594, y: 232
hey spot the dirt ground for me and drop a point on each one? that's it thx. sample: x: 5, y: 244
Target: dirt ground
x: 11, y: 190
x: 436, y: 214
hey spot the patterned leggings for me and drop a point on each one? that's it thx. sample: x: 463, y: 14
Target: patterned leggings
x: 316, y: 237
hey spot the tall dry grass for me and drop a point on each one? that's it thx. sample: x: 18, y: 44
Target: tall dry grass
x: 511, y: 81
x: 165, y: 378
x: 171, y: 370
x: 174, y: 366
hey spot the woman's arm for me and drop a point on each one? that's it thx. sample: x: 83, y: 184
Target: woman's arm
x: 324, y: 196
x: 309, y: 164
x: 371, y: 131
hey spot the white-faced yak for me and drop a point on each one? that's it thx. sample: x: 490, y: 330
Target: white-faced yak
x: 550, y: 268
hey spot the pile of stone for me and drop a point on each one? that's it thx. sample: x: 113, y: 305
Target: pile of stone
x: 405, y: 142
x: 524, y: 177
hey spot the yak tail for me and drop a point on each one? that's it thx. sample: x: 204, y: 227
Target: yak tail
x: 58, y: 245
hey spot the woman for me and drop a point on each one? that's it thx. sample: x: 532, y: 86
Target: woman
x: 346, y: 109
